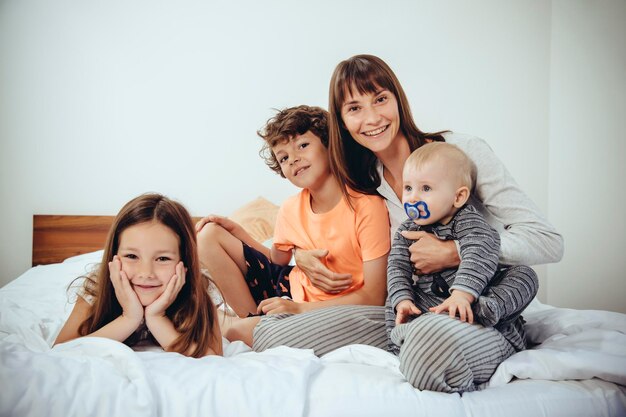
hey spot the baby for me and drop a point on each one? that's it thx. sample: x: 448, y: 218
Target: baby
x: 437, y: 181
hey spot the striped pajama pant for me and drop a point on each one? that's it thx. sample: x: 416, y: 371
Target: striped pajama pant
x: 437, y: 353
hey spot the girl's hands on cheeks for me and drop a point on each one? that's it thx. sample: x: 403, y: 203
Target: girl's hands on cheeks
x: 459, y: 302
x: 406, y: 309
x: 277, y: 305
x: 126, y: 296
x: 157, y: 307
x: 430, y: 254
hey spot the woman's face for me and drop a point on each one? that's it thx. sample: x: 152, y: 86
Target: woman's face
x: 372, y: 119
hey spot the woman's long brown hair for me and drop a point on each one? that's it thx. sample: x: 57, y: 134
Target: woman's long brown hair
x: 353, y: 164
x: 192, y: 313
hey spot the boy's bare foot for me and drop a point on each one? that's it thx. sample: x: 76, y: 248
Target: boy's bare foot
x: 236, y: 328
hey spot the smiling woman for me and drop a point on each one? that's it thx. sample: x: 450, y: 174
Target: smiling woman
x: 371, y: 135
x: 362, y: 112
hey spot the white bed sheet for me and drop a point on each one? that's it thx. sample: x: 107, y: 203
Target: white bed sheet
x: 579, y: 369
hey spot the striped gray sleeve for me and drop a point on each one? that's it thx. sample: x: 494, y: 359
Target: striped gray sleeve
x: 479, y: 245
x: 400, y: 268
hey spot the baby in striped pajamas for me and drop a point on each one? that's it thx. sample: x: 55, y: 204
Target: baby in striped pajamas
x: 437, y: 181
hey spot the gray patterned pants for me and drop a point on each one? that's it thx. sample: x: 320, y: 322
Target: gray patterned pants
x: 436, y: 352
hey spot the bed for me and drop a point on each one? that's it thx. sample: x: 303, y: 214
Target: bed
x: 577, y: 368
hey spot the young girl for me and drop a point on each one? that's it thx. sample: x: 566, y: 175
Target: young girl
x: 371, y: 134
x: 148, y: 284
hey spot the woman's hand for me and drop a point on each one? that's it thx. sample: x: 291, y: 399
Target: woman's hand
x: 430, y: 254
x: 406, y: 309
x: 310, y: 262
x: 157, y: 307
x: 459, y: 302
x: 126, y: 296
x: 277, y: 305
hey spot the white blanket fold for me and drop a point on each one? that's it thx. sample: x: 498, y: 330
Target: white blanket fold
x: 574, y: 345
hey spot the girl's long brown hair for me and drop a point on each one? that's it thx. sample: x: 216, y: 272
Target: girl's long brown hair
x: 192, y: 313
x: 353, y: 164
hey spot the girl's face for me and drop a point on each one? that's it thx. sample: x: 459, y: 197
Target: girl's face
x: 149, y: 254
x: 372, y: 119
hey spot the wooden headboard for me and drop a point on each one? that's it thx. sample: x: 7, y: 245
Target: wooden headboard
x: 56, y: 238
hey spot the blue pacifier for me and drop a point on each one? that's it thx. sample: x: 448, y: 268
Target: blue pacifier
x: 414, y: 211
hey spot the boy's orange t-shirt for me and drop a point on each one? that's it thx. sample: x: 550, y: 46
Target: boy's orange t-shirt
x: 351, y: 237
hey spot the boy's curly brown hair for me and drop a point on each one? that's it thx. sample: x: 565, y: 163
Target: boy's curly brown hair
x: 289, y: 123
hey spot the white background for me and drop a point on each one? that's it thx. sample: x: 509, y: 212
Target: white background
x: 103, y: 100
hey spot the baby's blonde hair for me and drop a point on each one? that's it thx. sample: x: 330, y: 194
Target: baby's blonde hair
x: 458, y: 165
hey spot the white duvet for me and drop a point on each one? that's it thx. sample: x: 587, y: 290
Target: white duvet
x: 578, y: 369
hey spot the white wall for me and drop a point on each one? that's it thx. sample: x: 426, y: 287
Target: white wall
x: 587, y: 153
x: 101, y: 101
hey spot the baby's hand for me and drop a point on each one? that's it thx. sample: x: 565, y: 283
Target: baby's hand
x: 126, y: 296
x: 459, y: 302
x: 404, y: 310
x: 158, y: 306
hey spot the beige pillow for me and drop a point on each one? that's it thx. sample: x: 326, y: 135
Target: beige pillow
x: 257, y: 217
